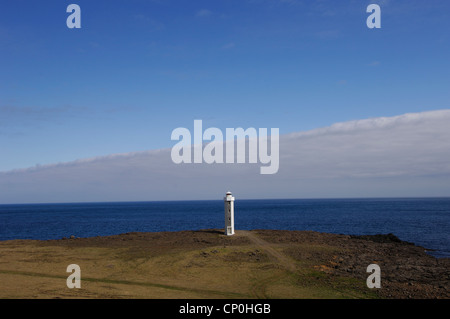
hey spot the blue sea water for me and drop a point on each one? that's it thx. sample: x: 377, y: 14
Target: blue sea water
x: 425, y: 222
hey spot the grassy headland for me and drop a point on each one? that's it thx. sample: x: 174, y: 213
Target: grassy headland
x: 208, y: 264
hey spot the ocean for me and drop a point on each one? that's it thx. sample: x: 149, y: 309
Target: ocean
x: 423, y: 221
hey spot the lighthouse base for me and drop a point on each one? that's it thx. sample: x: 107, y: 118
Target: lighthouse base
x: 229, y: 231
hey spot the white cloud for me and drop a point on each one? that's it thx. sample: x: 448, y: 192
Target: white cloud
x: 204, y: 13
x: 228, y: 46
x: 407, y: 155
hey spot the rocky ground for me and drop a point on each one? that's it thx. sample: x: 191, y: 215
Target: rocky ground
x: 407, y: 271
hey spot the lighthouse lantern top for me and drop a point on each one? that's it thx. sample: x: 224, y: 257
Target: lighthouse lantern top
x: 229, y: 197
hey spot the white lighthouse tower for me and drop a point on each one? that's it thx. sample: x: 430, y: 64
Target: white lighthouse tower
x: 229, y: 214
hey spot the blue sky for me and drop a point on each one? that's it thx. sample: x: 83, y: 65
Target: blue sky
x: 137, y: 70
